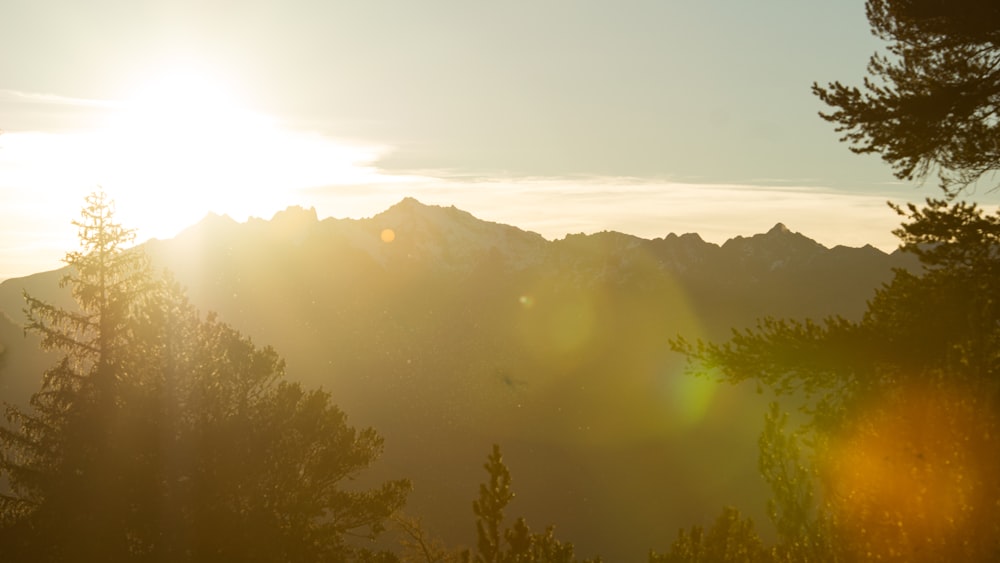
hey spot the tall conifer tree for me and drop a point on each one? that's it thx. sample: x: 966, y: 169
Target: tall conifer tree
x: 162, y: 436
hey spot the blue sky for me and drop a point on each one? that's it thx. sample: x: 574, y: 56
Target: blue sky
x: 555, y: 116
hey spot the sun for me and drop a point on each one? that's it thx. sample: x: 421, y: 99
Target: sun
x: 183, y: 89
x: 182, y: 144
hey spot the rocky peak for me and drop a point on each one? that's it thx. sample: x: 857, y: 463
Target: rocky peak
x: 779, y: 229
x: 295, y: 214
x: 448, y: 235
x: 293, y: 223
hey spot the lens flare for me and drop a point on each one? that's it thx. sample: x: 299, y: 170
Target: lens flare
x: 571, y: 326
x: 916, y: 477
x: 689, y: 397
x: 603, y: 349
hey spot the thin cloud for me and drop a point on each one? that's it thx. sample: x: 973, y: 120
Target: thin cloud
x: 17, y: 96
x: 167, y: 174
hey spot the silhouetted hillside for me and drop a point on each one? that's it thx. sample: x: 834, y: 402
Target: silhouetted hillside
x: 448, y: 333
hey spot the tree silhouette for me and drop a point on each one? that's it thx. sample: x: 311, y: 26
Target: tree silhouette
x: 944, y: 319
x: 932, y: 102
x: 162, y: 436
x: 56, y: 456
x: 493, y: 498
x: 517, y: 544
x: 419, y: 545
x: 903, y: 403
x: 730, y: 539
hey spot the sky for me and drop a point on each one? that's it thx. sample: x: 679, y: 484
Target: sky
x: 557, y: 116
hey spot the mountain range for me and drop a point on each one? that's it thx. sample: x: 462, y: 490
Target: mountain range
x: 448, y: 334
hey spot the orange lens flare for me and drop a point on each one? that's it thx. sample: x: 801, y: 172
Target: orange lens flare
x: 916, y: 477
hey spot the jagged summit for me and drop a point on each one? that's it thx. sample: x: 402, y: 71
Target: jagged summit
x: 294, y: 222
x: 295, y: 214
x: 686, y: 238
x: 413, y: 205
x: 213, y: 218
x: 211, y: 223
x: 410, y: 215
x: 410, y: 208
x: 411, y: 202
x: 779, y: 229
x: 412, y: 234
x: 448, y: 234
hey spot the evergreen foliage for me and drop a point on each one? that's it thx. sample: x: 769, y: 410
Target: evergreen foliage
x: 943, y: 320
x: 493, y: 498
x: 907, y: 395
x: 517, y: 544
x: 731, y: 538
x: 419, y: 546
x: 162, y: 436
x: 793, y: 508
x: 932, y: 102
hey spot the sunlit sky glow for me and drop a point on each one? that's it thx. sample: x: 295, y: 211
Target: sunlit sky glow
x: 557, y: 117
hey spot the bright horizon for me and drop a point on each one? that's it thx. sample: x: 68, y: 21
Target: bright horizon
x: 649, y: 120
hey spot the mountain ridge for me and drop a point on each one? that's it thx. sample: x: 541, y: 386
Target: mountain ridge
x: 425, y: 231
x: 455, y: 333
x: 407, y: 205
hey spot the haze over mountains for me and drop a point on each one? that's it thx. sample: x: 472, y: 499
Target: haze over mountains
x: 447, y: 334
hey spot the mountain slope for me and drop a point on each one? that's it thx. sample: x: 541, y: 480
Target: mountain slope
x: 452, y: 333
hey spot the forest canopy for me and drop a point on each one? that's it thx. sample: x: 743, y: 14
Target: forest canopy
x: 162, y: 435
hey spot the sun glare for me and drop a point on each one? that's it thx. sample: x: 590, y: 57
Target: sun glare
x: 182, y: 89
x: 183, y: 144
x: 177, y: 145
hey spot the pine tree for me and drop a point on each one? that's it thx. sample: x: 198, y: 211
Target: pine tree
x: 902, y: 404
x: 731, y: 539
x: 162, y: 436
x: 493, y: 498
x: 930, y: 104
x: 57, y: 455
x: 522, y: 545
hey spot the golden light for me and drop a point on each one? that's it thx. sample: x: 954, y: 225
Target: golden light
x: 916, y: 477
x: 388, y: 235
x: 183, y: 143
x: 182, y: 140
